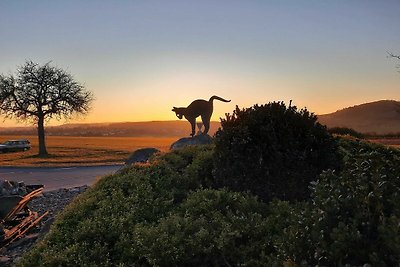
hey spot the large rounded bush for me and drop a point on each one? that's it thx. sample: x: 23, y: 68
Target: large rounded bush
x: 163, y: 214
x: 273, y: 151
x: 211, y: 228
x: 354, y: 216
x: 357, y: 212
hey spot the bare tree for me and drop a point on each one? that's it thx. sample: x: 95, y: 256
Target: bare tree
x: 38, y: 93
x: 391, y: 55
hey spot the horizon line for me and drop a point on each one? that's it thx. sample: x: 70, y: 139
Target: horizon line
x: 83, y: 123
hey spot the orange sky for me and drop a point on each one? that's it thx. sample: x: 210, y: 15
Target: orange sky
x: 141, y: 58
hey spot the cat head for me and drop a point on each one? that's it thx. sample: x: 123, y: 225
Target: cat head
x: 178, y: 112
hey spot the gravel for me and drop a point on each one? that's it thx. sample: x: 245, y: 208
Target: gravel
x: 52, y: 201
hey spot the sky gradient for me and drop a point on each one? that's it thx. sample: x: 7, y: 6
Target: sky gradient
x: 140, y: 58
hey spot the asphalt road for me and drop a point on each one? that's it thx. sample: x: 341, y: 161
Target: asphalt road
x: 55, y: 178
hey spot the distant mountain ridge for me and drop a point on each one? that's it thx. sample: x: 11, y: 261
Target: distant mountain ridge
x: 379, y: 117
x: 122, y: 129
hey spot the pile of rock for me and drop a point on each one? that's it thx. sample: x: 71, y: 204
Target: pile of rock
x: 12, y: 188
x: 52, y: 201
x: 55, y: 201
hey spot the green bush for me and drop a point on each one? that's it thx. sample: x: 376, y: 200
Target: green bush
x: 92, y: 229
x: 357, y: 211
x: 167, y: 214
x: 273, y: 151
x: 211, y: 228
x: 354, y: 215
x: 162, y: 215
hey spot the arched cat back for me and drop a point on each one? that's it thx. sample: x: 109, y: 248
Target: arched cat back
x: 199, y: 107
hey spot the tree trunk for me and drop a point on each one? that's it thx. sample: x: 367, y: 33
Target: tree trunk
x: 42, y: 143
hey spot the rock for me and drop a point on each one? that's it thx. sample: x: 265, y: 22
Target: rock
x: 141, y: 155
x: 75, y: 190
x: 202, y: 139
x: 12, y: 188
x: 27, y: 240
x: 4, y: 260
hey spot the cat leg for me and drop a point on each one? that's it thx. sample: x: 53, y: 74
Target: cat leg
x: 206, y: 123
x: 193, y: 123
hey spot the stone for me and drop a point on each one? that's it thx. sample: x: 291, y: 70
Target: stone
x: 141, y: 155
x: 4, y: 260
x: 12, y: 188
x: 201, y: 139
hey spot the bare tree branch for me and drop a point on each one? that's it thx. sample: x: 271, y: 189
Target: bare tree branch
x: 393, y: 55
x: 40, y: 92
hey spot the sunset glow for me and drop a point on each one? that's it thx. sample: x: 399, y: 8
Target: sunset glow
x: 141, y: 58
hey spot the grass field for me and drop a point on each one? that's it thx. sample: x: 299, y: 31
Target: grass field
x: 393, y: 142
x: 75, y: 151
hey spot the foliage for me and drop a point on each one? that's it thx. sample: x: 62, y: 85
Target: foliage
x: 354, y: 215
x: 91, y: 230
x: 210, y: 228
x: 163, y: 214
x: 273, y: 151
x: 359, y: 209
x: 166, y: 214
x: 345, y: 131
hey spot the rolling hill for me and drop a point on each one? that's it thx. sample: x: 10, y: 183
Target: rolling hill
x: 380, y: 117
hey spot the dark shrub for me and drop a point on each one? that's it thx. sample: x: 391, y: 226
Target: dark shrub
x: 273, y: 151
x: 211, y: 228
x: 160, y: 215
x: 357, y: 212
x: 353, y: 217
x: 94, y: 229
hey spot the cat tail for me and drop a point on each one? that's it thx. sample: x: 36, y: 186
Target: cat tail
x: 218, y: 98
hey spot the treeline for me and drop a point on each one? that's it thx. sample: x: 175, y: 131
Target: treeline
x: 127, y: 129
x: 354, y: 133
x: 156, y: 129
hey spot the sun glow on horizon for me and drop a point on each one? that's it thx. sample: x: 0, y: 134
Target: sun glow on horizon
x: 147, y: 56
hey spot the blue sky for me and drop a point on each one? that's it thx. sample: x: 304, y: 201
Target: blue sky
x: 140, y: 58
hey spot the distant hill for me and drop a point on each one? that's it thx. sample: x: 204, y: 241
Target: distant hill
x: 151, y: 128
x: 380, y: 117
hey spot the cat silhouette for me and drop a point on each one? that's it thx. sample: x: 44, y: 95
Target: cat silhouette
x: 199, y: 107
